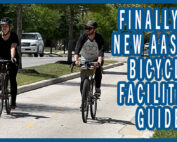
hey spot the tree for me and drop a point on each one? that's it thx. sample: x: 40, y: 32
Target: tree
x: 106, y: 18
x: 70, y: 44
x: 41, y: 19
x: 77, y: 10
x: 19, y: 31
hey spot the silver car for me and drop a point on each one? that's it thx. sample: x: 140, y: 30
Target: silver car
x: 32, y: 43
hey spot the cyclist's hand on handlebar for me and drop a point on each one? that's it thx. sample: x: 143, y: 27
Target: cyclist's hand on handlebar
x: 14, y: 60
x: 96, y: 64
x: 77, y: 63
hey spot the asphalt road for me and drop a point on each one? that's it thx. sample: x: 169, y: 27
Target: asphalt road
x: 53, y: 112
x: 36, y: 61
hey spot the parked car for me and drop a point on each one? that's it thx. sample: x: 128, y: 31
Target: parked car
x: 32, y: 43
x: 146, y: 46
x: 146, y: 49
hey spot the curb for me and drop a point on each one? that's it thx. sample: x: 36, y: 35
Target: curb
x: 43, y: 83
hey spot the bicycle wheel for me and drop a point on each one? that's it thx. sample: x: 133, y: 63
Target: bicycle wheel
x: 7, y: 94
x: 1, y: 96
x: 85, y: 100
x: 93, y: 102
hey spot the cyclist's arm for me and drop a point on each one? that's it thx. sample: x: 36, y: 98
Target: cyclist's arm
x: 100, y: 42
x: 13, y: 46
x: 79, y: 44
x: 78, y: 48
x: 76, y: 57
x: 100, y: 59
x: 15, y: 43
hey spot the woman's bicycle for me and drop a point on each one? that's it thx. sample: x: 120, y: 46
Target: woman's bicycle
x: 5, y: 95
x: 89, y: 100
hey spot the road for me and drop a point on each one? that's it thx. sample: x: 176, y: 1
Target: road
x: 36, y: 61
x: 53, y: 112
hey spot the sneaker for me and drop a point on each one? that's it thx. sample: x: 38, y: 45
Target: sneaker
x: 13, y: 105
x: 97, y: 92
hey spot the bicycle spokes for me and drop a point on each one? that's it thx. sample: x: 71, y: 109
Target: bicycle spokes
x: 8, y: 95
x: 1, y: 102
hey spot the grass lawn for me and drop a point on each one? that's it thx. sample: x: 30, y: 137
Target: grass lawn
x: 165, y: 134
x: 43, y: 72
x: 53, y: 50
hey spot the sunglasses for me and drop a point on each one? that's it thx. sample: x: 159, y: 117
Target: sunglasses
x: 88, y: 28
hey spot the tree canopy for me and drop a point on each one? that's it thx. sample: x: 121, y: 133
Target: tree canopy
x: 53, y: 20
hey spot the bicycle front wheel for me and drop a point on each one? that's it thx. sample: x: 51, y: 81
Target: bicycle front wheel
x: 93, y: 107
x: 7, y: 94
x: 1, y: 94
x: 85, y: 100
x: 1, y: 97
x: 93, y: 102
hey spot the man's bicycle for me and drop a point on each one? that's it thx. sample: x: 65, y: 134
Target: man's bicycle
x: 5, y: 95
x: 89, y: 100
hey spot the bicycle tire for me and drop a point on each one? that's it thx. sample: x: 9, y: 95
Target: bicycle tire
x: 1, y: 97
x: 85, y: 100
x: 7, y: 94
x: 93, y: 101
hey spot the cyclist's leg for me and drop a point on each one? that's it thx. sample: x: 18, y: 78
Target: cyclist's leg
x: 98, y: 75
x: 98, y: 78
x: 13, y: 83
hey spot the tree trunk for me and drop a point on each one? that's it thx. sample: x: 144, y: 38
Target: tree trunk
x: 19, y: 32
x: 70, y: 43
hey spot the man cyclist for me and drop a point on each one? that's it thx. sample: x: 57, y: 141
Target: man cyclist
x: 8, y: 50
x: 90, y: 46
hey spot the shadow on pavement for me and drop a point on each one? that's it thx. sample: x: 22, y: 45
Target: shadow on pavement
x: 44, y: 108
x: 114, y: 72
x: 104, y: 120
x: 23, y: 115
x: 78, y: 84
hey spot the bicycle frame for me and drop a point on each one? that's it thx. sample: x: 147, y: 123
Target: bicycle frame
x: 88, y: 98
x: 4, y: 73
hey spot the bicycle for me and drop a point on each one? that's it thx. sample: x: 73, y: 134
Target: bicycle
x: 88, y: 97
x: 5, y: 95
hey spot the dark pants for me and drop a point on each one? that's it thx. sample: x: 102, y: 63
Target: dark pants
x: 13, y: 82
x: 98, y: 77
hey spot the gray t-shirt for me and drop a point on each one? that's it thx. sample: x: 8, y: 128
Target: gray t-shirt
x: 89, y: 51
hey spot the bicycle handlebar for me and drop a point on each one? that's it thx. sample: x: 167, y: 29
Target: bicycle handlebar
x: 87, y: 64
x: 5, y: 61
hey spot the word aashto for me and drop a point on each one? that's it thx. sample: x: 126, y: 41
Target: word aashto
x: 163, y: 46
x: 160, y: 118
x: 138, y: 19
x: 152, y: 68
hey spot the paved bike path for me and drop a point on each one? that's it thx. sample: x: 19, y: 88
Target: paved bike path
x: 53, y: 112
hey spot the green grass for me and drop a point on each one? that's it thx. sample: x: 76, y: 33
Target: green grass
x: 165, y: 134
x: 107, y: 62
x: 53, y: 50
x: 43, y: 72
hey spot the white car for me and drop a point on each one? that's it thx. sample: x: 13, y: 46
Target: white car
x: 32, y: 43
x: 146, y: 46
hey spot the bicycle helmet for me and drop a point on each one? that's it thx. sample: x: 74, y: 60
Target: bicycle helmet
x: 6, y: 20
